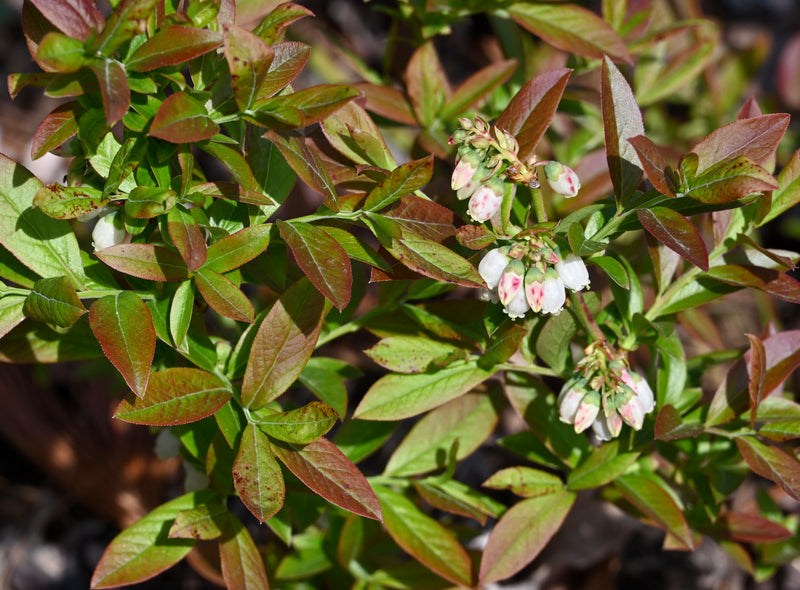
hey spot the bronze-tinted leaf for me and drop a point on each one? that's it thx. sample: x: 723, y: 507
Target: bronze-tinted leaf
x: 478, y: 87
x: 223, y: 296
x: 240, y: 560
x: 654, y: 160
x: 248, y: 58
x: 188, y: 237
x: 146, y: 261
x: 776, y: 283
x: 128, y: 19
x: 56, y: 128
x: 772, y: 463
x: 114, y: 89
x: 676, y: 232
x: 76, y: 18
x: 388, y: 102
x: 171, y: 46
x: 403, y: 180
x: 237, y: 249
x: 257, y: 475
x: 182, y: 119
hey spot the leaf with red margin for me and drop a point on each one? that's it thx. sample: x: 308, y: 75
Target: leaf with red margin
x: 128, y: 19
x: 321, y: 258
x: 388, y: 102
x: 283, y: 344
x: 240, y: 560
x: 531, y: 111
x: 326, y: 471
x: 289, y: 60
x: 76, y: 18
x: 477, y: 87
x: 525, y: 481
x: 425, y: 539
x: 178, y: 395
x: 426, y: 83
x: 124, y: 328
x: 56, y: 128
x: 304, y: 107
x: 113, y: 88
x: 423, y: 217
x: 144, y: 549
x: 648, y: 494
x: 146, y: 261
x: 776, y: 283
x: 172, y: 46
x: 237, y: 249
x: 572, y: 29
x: 521, y: 533
x: 248, y: 59
x: 271, y: 29
x: 676, y: 232
x: 622, y: 120
x: 182, y: 119
x: 758, y: 375
x: 257, y: 475
x: 223, y: 296
x: 725, y: 181
x: 749, y: 109
x: 755, y: 138
x: 403, y: 180
x: 772, y: 463
x: 748, y: 528
x: 188, y: 238
x: 655, y: 161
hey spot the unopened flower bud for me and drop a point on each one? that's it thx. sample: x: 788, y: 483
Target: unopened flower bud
x: 108, y: 231
x: 562, y: 179
x: 554, y: 294
x: 492, y: 265
x: 534, y: 288
x: 631, y: 411
x: 573, y: 273
x: 480, y: 142
x: 570, y: 398
x: 643, y: 392
x: 587, y: 411
x: 511, y: 281
x: 464, y: 172
x: 485, y: 201
x: 466, y: 123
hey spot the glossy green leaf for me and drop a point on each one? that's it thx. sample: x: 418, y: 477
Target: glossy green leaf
x: 283, y: 344
x: 177, y: 395
x: 203, y: 522
x: 144, y: 549
x: 522, y: 533
x: 525, y: 481
x: 272, y: 28
x: 304, y: 107
x: 240, y: 560
x: 146, y: 202
x: 676, y: 232
x: 46, y: 246
x: 613, y: 268
x: 180, y: 314
x: 257, y: 475
x: 780, y: 430
x: 182, y: 119
x: 59, y: 53
x: 223, y: 296
x: 602, y: 466
x: 788, y: 193
x: 726, y: 181
x: 68, y: 202
x: 321, y: 377
x: 355, y: 135
x: 409, y: 354
x: 114, y: 89
x: 54, y: 301
x: 321, y: 258
x: 56, y: 128
x: 424, y: 538
x: 395, y: 396
x: 146, y: 261
x: 405, y: 179
x: 301, y: 426
x: 128, y: 19
x: 248, y: 58
x: 234, y: 250
x: 426, y: 83
x: 772, y: 463
x: 466, y: 422
x: 11, y: 312
x: 327, y: 472
x: 124, y: 328
x: 172, y: 46
x: 358, y: 439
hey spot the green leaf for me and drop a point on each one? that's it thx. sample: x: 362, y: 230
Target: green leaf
x: 59, y: 53
x: 289, y: 60
x: 257, y: 475
x: 146, y: 202
x: 676, y: 232
x: 352, y: 132
x: 144, y: 549
x: 248, y: 59
x: 455, y: 497
x: 426, y: 83
x: 613, y: 268
x: 56, y: 128
x: 478, y: 87
x: 202, y: 522
x: 172, y: 46
x: 234, y: 250
x: 726, y: 181
x: 186, y: 234
x: 410, y: 354
x: 114, y: 89
x: 146, y: 261
x: 37, y: 343
x: 525, y: 481
x: 223, y: 296
x: 358, y: 439
x: 326, y: 471
x: 424, y: 538
x: 46, y: 246
x: 622, y: 120
x: 304, y: 107
x: 522, y: 533
x: 788, y: 193
x: 301, y: 426
x: 321, y: 258
x: 572, y: 29
x: 405, y: 179
x: 68, y: 202
x: 321, y: 377
x: 395, y: 396
x: 272, y: 28
x: 602, y: 466
x: 781, y: 430
x: 177, y: 395
x: 54, y: 301
x: 11, y: 312
x: 772, y: 463
x: 127, y: 20
x: 182, y: 119
x: 466, y: 422
x: 180, y: 314
x: 124, y: 328
x: 283, y: 344
x: 670, y: 426
x: 240, y: 560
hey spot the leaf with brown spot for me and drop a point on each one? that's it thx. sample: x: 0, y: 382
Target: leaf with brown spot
x: 257, y: 476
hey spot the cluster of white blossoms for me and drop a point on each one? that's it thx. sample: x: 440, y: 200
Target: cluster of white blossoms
x: 604, y: 394
x: 488, y: 167
x: 531, y: 276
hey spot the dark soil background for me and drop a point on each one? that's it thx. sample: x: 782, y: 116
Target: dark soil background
x: 70, y: 477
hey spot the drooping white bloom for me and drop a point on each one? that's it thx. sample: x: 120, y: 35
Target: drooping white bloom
x: 492, y: 265
x: 573, y: 273
x: 484, y: 202
x: 562, y: 179
x: 587, y: 411
x: 108, y: 231
x: 600, y: 427
x: 569, y: 399
x: 554, y: 295
x: 643, y: 392
x: 518, y: 306
x: 511, y: 281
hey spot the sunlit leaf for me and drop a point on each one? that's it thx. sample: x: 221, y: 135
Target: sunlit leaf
x: 772, y: 463
x: 234, y: 250
x: 128, y: 19
x: 478, y: 87
x: 426, y: 83
x: 114, y: 89
x: 257, y: 476
x: 146, y: 261
x: 403, y: 180
x: 301, y: 426
x: 76, y: 18
x: 171, y: 46
x: 223, y: 296
x: 525, y: 481
x: 676, y: 232
x: 54, y: 301
x: 248, y: 58
x: 240, y: 560
x: 182, y: 119
x: 186, y: 234
x: 56, y: 128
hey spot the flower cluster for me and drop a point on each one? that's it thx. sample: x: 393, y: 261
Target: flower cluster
x: 603, y: 393
x: 488, y: 166
x: 531, y: 276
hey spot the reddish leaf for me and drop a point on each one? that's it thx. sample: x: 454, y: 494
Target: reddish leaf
x: 522, y: 533
x: 240, y: 560
x: 622, y: 120
x: 321, y: 258
x: 572, y: 29
x: 176, y: 396
x: 726, y: 181
x: 388, y: 102
x: 56, y: 128
x: 248, y: 58
x: 755, y: 138
x: 237, y: 249
x: 474, y: 237
x: 748, y: 528
x: 777, y: 284
x: 304, y: 107
x: 307, y: 163
x: 353, y: 133
x: 530, y: 112
x: 188, y: 238
x: 289, y: 60
x: 676, y: 232
x: 271, y: 29
x: 426, y: 83
x: 283, y: 344
x: 423, y: 217
x: 772, y: 463
x: 669, y: 425
x: 749, y: 109
x: 654, y: 160
x: 326, y: 471
x: 76, y: 18
x: 113, y: 88
x: 424, y: 538
x: 223, y: 296
x: 478, y: 86
x: 182, y: 119
x: 172, y: 46
x: 124, y: 328
x: 257, y: 475
x: 146, y: 261
x: 758, y: 375
x: 128, y: 19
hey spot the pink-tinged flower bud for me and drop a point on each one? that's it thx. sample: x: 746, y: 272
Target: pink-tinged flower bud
x: 492, y: 265
x: 601, y: 430
x: 108, y: 231
x: 570, y: 398
x: 631, y: 412
x: 485, y: 201
x: 562, y: 179
x: 554, y: 294
x: 587, y: 411
x: 518, y: 306
x: 463, y: 173
x: 534, y: 288
x: 511, y: 281
x: 614, y: 423
x: 643, y: 392
x: 573, y: 273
